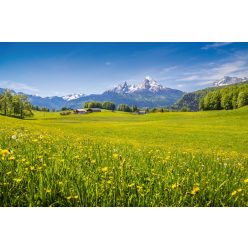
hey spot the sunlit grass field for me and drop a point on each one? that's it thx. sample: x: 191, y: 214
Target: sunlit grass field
x: 123, y: 159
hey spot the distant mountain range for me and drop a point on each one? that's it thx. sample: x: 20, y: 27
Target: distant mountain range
x: 148, y: 93
x: 72, y: 96
x: 229, y: 80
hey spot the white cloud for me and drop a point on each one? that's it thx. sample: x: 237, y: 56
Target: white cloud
x: 237, y: 68
x: 181, y: 85
x: 18, y: 87
x: 190, y: 78
x: 216, y: 45
x: 205, y: 83
x: 171, y: 68
x: 206, y: 74
x: 107, y: 63
x: 231, y: 67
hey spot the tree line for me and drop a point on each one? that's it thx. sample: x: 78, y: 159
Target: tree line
x: 102, y: 105
x: 231, y: 97
x: 16, y: 105
x: 43, y: 109
x: 122, y: 107
x: 127, y: 108
x: 110, y: 106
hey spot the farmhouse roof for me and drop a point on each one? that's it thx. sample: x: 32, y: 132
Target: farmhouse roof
x: 80, y: 110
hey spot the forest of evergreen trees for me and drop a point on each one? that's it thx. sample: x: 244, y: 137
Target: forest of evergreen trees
x: 231, y: 97
x: 16, y: 105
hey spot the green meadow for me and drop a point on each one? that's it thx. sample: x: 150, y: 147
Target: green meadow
x: 124, y: 159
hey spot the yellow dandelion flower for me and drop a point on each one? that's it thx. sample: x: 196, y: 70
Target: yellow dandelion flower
x: 175, y: 185
x: 234, y: 193
x: 195, y: 190
x: 5, y: 152
x: 48, y: 190
x: 239, y: 190
x: 12, y: 158
x: 115, y: 155
x: 61, y: 183
x: 32, y: 168
x: 246, y: 180
x: 93, y: 161
x: 105, y: 169
x: 75, y: 196
x: 68, y: 197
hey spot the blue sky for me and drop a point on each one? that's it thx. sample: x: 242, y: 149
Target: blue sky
x: 48, y: 69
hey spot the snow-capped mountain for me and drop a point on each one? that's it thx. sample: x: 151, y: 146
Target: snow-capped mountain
x: 121, y: 88
x: 72, y: 96
x: 149, y: 93
x: 149, y: 85
x: 229, y: 80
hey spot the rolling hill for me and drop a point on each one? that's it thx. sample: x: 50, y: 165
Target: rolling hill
x: 192, y: 100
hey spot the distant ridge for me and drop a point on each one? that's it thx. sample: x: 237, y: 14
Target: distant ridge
x: 148, y: 93
x: 229, y: 80
x: 72, y: 96
x: 191, y: 101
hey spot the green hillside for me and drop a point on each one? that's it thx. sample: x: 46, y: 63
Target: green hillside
x: 231, y: 97
x: 192, y: 101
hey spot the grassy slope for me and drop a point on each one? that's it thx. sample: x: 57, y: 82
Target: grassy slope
x: 213, y: 130
x: 200, y: 159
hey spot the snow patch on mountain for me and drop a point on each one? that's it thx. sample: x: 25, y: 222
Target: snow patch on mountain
x: 229, y: 80
x: 149, y: 84
x: 72, y: 96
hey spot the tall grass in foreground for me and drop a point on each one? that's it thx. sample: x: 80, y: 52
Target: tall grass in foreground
x: 41, y: 169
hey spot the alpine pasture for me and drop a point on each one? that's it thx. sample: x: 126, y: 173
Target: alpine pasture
x: 123, y: 159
